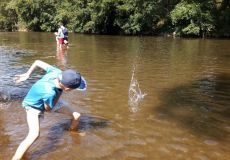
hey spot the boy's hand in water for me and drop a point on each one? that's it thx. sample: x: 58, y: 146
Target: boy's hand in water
x: 21, y: 77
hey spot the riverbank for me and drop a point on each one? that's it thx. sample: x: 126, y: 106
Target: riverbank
x: 125, y: 17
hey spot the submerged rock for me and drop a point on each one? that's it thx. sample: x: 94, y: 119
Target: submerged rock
x: 12, y: 93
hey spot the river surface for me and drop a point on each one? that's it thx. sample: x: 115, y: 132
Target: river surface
x: 182, y: 114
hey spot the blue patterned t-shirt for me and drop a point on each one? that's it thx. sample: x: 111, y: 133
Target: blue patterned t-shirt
x: 44, y: 90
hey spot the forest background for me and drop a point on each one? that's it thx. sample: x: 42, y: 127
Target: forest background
x: 187, y: 18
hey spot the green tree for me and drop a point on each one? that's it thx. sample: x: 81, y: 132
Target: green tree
x: 8, y: 18
x: 222, y: 18
x: 93, y: 16
x: 80, y: 16
x: 193, y: 18
x: 36, y: 14
x: 140, y: 16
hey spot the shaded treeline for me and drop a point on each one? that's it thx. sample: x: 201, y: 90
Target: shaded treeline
x: 200, y: 18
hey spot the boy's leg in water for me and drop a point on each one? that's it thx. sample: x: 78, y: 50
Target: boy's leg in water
x: 34, y: 127
x: 62, y: 107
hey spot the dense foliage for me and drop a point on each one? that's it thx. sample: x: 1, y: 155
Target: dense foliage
x: 193, y: 18
x: 182, y: 17
x: 8, y: 18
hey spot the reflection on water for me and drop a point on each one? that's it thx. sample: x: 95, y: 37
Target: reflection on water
x: 184, y: 116
x: 62, y: 57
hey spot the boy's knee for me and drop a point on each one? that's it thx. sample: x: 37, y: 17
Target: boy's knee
x: 76, y: 115
x: 33, y: 135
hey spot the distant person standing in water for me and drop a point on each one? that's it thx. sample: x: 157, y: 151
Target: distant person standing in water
x: 66, y: 35
x: 62, y: 35
x: 44, y: 97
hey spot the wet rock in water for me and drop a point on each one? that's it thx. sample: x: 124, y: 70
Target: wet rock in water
x: 134, y: 155
x: 179, y: 147
x: 19, y: 53
x: 210, y: 142
x: 202, y: 157
x: 10, y: 93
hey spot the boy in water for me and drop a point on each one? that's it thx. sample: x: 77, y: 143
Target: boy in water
x: 44, y: 95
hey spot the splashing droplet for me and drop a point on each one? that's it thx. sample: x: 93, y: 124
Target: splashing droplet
x: 135, y: 94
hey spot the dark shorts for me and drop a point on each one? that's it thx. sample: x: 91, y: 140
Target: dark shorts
x: 66, y: 38
x: 60, y: 104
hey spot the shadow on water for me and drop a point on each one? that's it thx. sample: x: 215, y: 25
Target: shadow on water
x: 87, y: 122
x: 53, y: 137
x: 202, y: 106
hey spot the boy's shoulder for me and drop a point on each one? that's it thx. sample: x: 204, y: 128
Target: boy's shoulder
x: 52, y: 69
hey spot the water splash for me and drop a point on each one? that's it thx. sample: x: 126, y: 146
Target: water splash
x: 135, y: 94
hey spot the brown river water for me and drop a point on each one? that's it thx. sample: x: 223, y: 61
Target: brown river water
x: 182, y: 88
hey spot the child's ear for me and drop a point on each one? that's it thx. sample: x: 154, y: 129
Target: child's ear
x: 68, y: 89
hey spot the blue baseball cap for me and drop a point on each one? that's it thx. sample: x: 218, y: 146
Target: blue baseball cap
x: 73, y: 79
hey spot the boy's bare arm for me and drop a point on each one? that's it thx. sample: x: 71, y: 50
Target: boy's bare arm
x: 25, y: 76
x: 47, y: 107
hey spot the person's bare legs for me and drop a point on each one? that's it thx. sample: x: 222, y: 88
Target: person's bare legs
x: 34, y: 127
x: 74, y: 115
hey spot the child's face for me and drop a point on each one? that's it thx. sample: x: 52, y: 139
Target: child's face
x: 64, y: 88
x: 67, y: 89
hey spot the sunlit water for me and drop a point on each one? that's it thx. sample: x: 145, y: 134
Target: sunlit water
x: 180, y: 89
